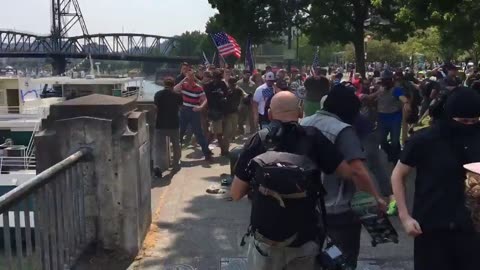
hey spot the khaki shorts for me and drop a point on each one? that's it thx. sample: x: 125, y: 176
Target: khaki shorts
x: 217, y: 126
x: 286, y: 258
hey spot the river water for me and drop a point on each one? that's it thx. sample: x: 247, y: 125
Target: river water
x: 149, y: 90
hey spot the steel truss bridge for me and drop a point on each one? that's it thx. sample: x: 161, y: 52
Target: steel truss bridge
x: 111, y: 46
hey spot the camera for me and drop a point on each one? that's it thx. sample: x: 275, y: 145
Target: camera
x: 332, y: 258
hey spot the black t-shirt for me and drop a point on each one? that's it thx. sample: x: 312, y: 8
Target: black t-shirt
x: 316, y: 88
x: 216, y: 93
x: 234, y: 97
x: 323, y: 152
x: 439, y: 201
x: 168, y: 104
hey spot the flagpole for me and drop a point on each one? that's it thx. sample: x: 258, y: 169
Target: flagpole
x: 213, y: 58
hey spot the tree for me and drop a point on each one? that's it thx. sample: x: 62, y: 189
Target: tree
x: 456, y: 20
x: 324, y: 21
x: 379, y: 51
x: 346, y: 21
x: 426, y: 42
x: 266, y: 20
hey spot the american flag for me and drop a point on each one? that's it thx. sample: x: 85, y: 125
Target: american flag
x: 226, y: 45
x: 249, y: 60
x: 315, y: 63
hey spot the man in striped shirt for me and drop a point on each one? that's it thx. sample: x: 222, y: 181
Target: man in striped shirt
x: 194, y: 101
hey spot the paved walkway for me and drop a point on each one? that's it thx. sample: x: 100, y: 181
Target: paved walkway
x: 195, y: 230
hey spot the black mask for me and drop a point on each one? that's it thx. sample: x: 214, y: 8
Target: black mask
x: 457, y: 128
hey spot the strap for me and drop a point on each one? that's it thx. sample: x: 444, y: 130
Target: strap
x: 259, y: 237
x: 324, y: 212
x: 268, y: 192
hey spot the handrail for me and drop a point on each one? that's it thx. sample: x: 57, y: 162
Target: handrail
x: 32, y: 141
x: 45, y: 177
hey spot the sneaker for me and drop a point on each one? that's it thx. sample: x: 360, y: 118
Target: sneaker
x: 392, y: 208
x: 209, y: 156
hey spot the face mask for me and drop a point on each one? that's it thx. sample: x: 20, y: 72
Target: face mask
x: 463, y: 129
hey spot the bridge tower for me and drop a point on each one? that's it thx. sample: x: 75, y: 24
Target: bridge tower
x: 65, y: 15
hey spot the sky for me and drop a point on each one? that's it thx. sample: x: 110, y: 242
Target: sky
x: 156, y: 17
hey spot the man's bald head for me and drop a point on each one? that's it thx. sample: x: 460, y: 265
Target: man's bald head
x: 284, y: 107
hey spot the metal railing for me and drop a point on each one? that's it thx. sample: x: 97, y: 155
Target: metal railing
x: 41, y: 111
x: 44, y: 220
x: 9, y: 164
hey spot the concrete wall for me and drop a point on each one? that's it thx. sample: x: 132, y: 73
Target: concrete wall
x: 118, y: 178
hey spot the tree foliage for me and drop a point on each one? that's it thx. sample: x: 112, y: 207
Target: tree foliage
x: 193, y: 44
x: 457, y: 21
x: 324, y: 21
x: 426, y: 42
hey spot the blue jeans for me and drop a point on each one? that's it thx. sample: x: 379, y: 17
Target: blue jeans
x: 189, y: 117
x: 390, y: 124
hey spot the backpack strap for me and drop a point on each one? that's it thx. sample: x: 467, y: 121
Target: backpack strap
x: 264, y: 134
x: 279, y: 197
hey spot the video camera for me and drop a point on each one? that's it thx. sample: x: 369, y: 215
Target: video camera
x: 332, y: 258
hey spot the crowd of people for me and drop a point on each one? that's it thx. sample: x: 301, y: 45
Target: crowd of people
x: 350, y: 131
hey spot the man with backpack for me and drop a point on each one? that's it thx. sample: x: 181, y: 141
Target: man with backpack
x: 282, y: 164
x: 340, y: 110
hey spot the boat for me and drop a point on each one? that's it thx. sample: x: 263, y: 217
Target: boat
x: 24, y: 102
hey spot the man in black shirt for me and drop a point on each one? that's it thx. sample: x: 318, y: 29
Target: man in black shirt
x: 316, y: 86
x: 234, y: 96
x: 284, y: 111
x: 168, y: 104
x: 441, y: 224
x: 216, y: 92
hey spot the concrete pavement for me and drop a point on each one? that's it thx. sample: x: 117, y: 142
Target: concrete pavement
x: 195, y: 230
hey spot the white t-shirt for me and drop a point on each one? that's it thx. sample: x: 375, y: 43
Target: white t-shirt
x: 261, y: 95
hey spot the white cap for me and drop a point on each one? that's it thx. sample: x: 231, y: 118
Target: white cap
x: 269, y: 76
x: 473, y: 167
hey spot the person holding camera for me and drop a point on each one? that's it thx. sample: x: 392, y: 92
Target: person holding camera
x: 335, y: 121
x: 282, y: 164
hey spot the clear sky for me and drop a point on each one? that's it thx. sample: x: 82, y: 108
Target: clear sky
x: 158, y: 17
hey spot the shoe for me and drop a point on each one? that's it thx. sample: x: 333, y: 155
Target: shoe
x: 157, y: 172
x: 209, y: 156
x: 392, y: 208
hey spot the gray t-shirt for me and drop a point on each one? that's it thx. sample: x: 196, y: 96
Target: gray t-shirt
x: 341, y: 191
x: 389, y: 102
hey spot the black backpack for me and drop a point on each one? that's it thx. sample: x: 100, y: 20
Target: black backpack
x: 287, y: 189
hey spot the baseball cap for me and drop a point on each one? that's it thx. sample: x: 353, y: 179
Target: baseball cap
x: 473, y: 167
x: 270, y: 76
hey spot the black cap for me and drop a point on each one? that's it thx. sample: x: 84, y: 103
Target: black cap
x: 343, y: 102
x: 463, y: 103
